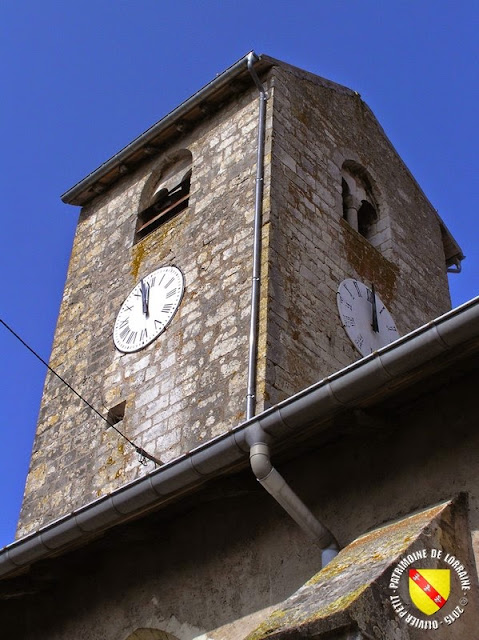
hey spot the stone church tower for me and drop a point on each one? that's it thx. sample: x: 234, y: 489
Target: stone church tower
x: 154, y: 326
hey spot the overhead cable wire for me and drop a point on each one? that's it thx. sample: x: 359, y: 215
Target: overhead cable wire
x: 141, y: 452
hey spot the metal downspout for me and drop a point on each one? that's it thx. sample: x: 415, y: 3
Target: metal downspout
x: 260, y: 459
x: 276, y: 486
x: 258, y: 215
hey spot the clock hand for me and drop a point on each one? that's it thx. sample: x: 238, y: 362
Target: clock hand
x: 374, y: 323
x: 145, y: 296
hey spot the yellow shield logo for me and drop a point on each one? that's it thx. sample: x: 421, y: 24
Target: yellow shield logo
x: 429, y: 588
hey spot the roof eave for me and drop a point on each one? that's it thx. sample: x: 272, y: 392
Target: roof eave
x: 310, y: 409
x: 193, y: 108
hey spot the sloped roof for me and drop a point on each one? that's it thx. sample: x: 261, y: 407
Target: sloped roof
x: 443, y: 348
x: 209, y: 98
x: 352, y: 591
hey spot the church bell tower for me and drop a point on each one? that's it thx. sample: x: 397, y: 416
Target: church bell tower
x: 154, y: 324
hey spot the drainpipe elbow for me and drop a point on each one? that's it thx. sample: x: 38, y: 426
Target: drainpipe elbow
x: 276, y: 485
x: 260, y: 461
x: 252, y: 58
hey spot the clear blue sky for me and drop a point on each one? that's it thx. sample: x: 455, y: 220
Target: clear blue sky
x: 82, y: 79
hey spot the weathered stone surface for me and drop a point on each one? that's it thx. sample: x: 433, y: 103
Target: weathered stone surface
x: 312, y: 248
x: 359, y: 589
x: 209, y: 567
x: 190, y: 384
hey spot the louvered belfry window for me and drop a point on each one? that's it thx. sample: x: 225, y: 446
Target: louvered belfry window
x: 170, y: 196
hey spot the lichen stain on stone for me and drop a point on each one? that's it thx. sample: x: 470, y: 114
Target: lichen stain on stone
x: 38, y: 474
x: 280, y: 620
x: 138, y: 253
x: 53, y: 419
x: 340, y: 604
x: 297, y: 194
x: 369, y: 263
x: 151, y: 245
x: 267, y: 627
x: 336, y: 567
x: 302, y: 114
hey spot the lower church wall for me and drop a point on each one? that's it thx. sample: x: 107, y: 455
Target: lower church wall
x: 209, y: 567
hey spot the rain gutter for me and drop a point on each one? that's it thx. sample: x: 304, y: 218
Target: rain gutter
x: 346, y: 389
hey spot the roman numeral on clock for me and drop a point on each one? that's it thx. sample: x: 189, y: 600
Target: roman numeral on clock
x: 128, y: 335
x: 358, y: 290
x: 167, y: 308
x: 359, y: 341
x: 131, y: 337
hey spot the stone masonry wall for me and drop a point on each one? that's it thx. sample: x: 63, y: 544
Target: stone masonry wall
x: 317, y: 126
x: 208, y: 569
x: 190, y: 384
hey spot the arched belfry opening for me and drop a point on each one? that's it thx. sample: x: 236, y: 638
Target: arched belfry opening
x: 367, y: 217
x: 360, y: 205
x: 165, y: 195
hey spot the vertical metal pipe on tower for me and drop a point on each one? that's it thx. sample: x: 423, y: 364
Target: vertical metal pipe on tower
x: 258, y: 215
x: 260, y: 459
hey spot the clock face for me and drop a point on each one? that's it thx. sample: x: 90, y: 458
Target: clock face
x: 148, y: 309
x: 365, y: 318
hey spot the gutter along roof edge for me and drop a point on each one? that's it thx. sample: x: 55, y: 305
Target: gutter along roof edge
x: 341, y: 390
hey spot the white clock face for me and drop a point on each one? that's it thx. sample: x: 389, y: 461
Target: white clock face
x: 365, y: 318
x: 148, y: 309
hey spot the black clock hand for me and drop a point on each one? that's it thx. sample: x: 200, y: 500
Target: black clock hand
x: 374, y: 323
x: 145, y: 296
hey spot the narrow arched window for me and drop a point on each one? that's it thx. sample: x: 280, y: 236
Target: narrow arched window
x: 367, y: 216
x: 168, y: 196
x: 360, y: 208
x: 346, y: 193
